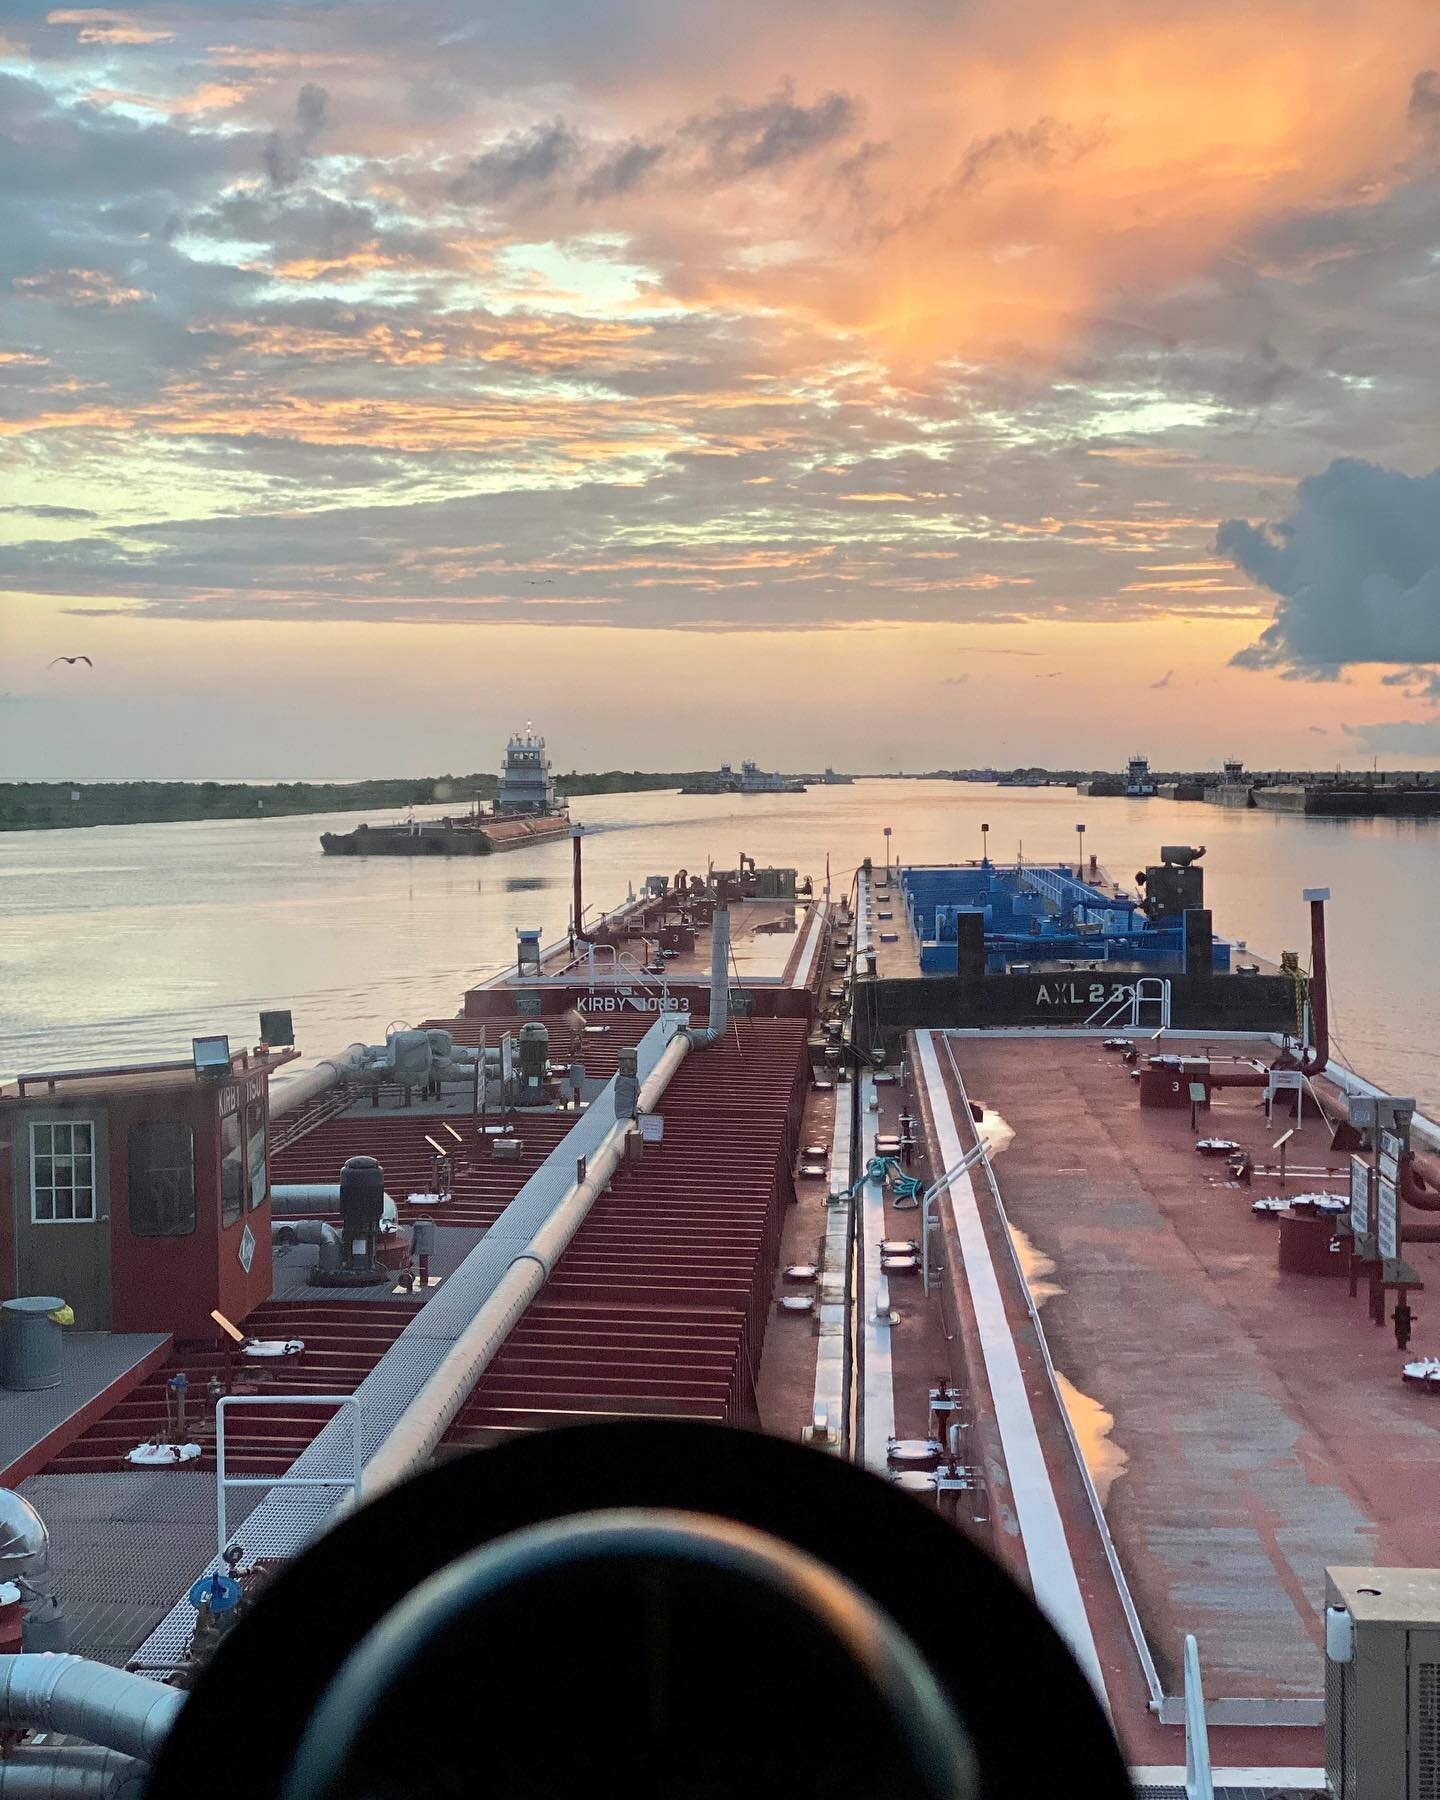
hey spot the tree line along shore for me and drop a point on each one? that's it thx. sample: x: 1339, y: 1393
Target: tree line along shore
x: 60, y: 805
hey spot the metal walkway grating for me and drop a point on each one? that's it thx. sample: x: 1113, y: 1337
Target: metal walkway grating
x: 116, y: 1542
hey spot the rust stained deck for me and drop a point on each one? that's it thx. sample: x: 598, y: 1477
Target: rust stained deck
x: 1267, y: 1430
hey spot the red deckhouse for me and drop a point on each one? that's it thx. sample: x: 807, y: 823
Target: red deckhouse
x: 139, y: 1194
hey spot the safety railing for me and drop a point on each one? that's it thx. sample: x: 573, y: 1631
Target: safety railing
x: 224, y: 1482
x: 1127, y: 1008
x: 1152, y: 990
x: 1199, y: 1783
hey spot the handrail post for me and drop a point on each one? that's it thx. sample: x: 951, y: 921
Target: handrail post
x: 224, y: 1483
x: 1199, y: 1783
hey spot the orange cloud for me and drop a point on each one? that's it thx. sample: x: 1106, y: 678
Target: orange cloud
x: 211, y: 96
x: 98, y: 26
x: 1042, y: 162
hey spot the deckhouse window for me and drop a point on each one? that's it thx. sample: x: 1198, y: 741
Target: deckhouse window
x: 62, y: 1172
x: 232, y: 1170
x: 255, y: 1152
x: 162, y: 1178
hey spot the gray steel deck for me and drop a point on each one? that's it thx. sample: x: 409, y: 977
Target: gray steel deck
x: 91, y: 1361
x: 118, y: 1543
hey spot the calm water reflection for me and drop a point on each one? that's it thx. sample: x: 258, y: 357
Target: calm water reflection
x: 122, y: 941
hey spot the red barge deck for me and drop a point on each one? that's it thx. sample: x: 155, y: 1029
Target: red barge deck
x: 1167, y: 1432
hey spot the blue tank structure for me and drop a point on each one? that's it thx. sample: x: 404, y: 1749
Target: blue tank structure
x: 1040, y: 912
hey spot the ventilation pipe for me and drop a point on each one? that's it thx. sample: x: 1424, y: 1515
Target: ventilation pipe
x: 87, y: 1700
x: 1315, y: 1060
x: 697, y: 1037
x: 309, y: 1231
x: 409, y: 1057
x: 300, y: 1199
x: 702, y: 1038
x: 71, y: 1772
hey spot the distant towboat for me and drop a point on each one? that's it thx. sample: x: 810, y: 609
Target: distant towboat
x: 525, y: 812
x: 751, y: 780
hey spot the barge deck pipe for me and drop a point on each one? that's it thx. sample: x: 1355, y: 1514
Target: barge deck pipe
x: 696, y: 1037
x: 89, y: 1700
x: 1420, y: 1184
x: 419, y: 1429
x: 310, y: 1231
x: 71, y: 1772
x: 327, y: 1073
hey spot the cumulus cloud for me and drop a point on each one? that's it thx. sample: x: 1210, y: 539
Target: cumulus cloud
x: 1399, y: 737
x: 1418, y: 684
x: 285, y: 152
x: 741, y: 140
x: 1048, y: 143
x: 621, y: 171
x: 1424, y: 110
x: 98, y: 25
x: 522, y: 162
x: 728, y: 143
x: 1355, y: 564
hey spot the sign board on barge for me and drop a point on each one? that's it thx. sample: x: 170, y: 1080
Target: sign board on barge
x: 1359, y: 1196
x: 1387, y: 1226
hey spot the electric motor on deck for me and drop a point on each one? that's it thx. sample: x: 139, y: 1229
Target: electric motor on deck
x: 362, y: 1205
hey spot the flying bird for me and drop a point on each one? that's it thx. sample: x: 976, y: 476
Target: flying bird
x: 71, y: 659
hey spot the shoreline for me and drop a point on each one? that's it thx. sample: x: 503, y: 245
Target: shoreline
x: 75, y: 805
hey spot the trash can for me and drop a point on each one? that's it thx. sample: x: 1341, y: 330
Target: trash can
x: 30, y: 1343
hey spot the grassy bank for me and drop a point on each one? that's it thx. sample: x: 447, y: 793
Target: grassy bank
x: 58, y: 805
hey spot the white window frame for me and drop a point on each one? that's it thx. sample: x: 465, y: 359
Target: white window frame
x: 51, y: 1126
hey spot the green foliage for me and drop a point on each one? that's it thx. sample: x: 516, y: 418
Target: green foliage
x: 49, y: 805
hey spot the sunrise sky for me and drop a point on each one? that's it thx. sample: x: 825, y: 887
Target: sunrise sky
x: 885, y: 385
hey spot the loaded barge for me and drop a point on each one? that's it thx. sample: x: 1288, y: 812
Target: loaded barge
x: 525, y: 812
x: 1005, y: 1183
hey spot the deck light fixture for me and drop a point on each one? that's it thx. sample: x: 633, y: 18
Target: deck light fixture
x: 277, y: 1029
x: 211, y: 1056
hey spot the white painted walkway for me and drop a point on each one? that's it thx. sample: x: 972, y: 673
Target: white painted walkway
x: 1052, y: 1568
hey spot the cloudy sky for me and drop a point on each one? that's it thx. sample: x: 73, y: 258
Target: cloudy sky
x: 934, y: 381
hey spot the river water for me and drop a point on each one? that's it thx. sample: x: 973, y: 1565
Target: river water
x: 123, y: 942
